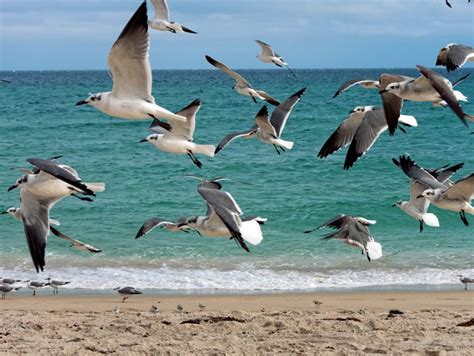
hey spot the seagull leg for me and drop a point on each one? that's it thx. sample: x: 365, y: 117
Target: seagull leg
x: 253, y: 98
x: 81, y: 198
x: 463, y: 217
x: 34, y: 292
x: 465, y: 286
x: 421, y: 225
x: 194, y: 159
x: 402, y: 129
x: 124, y: 299
x: 276, y: 148
x: 283, y: 149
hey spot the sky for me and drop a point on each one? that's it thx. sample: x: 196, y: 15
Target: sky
x: 78, y: 34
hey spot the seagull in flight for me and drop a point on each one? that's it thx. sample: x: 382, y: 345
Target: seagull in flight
x: 39, y: 192
x: 429, y: 86
x: 454, y: 196
x: 453, y: 56
x: 179, y: 139
x: 161, y: 19
x: 417, y: 207
x: 16, y: 213
x: 354, y: 231
x: 268, y: 55
x: 360, y: 129
x: 364, y: 83
x: 242, y: 86
x: 268, y: 130
x: 130, y: 69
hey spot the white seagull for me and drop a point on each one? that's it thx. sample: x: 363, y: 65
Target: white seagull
x: 161, y: 19
x: 417, y: 207
x: 360, y: 129
x: 35, y: 285
x: 268, y: 55
x: 456, y: 197
x: 453, y: 56
x: 130, y: 69
x: 5, y: 289
x: 354, y: 231
x: 429, y: 86
x: 39, y: 192
x: 56, y: 284
x: 223, y: 218
x: 179, y: 139
x: 268, y: 130
x: 242, y: 86
x: 126, y: 292
x: 465, y: 280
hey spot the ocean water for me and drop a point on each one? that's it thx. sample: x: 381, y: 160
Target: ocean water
x: 295, y: 191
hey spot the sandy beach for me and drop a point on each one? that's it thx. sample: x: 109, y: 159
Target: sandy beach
x: 434, y: 323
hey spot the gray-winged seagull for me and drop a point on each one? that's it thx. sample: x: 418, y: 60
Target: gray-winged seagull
x: 354, y: 231
x: 161, y: 19
x: 180, y: 138
x: 456, y: 197
x: 242, y: 86
x: 268, y: 130
x: 130, y: 69
x: 453, y: 55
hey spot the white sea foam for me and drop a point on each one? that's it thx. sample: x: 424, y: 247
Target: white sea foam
x: 244, y: 278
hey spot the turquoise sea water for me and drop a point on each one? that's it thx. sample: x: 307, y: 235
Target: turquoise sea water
x: 295, y: 191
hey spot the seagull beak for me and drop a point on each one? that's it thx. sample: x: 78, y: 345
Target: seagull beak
x: 144, y: 140
x: 419, y: 196
x: 12, y: 187
x: 352, y: 111
x: 394, y: 205
x: 82, y: 102
x: 383, y: 91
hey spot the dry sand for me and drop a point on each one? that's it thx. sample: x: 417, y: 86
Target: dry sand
x: 338, y: 323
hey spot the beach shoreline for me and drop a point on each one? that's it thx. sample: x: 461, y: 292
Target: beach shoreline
x: 417, y: 322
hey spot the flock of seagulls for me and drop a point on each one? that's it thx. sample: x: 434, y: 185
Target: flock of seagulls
x: 48, y: 182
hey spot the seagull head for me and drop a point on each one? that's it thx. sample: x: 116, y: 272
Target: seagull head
x: 392, y: 87
x: 189, y: 222
x: 93, y: 100
x: 397, y: 204
x: 429, y: 194
x: 11, y: 211
x: 361, y: 109
x: 19, y: 182
x: 151, y: 138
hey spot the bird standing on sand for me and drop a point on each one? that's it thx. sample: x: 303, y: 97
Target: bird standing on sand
x: 465, y: 281
x: 35, y: 285
x: 126, y: 292
x: 201, y: 306
x: 56, y: 284
x: 5, y: 289
x: 179, y: 307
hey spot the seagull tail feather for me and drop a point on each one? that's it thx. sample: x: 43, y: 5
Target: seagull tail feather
x: 208, y: 150
x: 96, y: 187
x: 374, y: 250
x: 431, y: 220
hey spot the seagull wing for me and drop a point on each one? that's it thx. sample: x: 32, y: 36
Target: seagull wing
x: 232, y: 136
x: 161, y: 10
x: 237, y: 77
x: 186, y: 128
x: 392, y: 104
x: 413, y: 171
x: 282, y: 111
x: 269, y: 99
x: 224, y: 206
x: 263, y: 122
x: 59, y: 234
x: 419, y: 204
x: 443, y: 174
x: 373, y: 124
x: 438, y: 83
x: 350, y: 83
x: 460, y: 80
x: 152, y: 223
x: 129, y: 62
x: 60, y: 173
x: 463, y: 188
x: 343, y: 135
x: 338, y: 222
x: 457, y: 55
x: 266, y: 49
x: 35, y: 217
